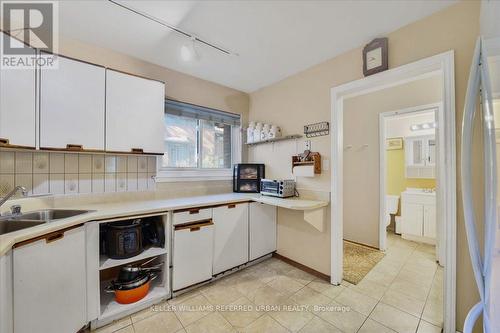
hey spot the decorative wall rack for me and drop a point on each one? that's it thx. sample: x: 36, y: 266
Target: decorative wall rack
x: 317, y: 129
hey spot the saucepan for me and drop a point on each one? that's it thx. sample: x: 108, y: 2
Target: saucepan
x: 132, y: 272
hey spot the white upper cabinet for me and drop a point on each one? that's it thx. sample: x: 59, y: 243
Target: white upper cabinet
x: 17, y: 106
x: 420, y: 156
x: 72, y: 102
x: 134, y: 113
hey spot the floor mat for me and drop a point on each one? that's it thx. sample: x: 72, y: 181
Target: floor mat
x: 359, y: 261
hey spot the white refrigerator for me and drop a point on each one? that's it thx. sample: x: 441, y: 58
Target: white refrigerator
x: 484, y: 86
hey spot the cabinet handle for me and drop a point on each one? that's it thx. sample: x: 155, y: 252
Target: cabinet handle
x: 4, y: 141
x: 194, y: 211
x: 231, y: 206
x: 74, y: 147
x: 137, y: 150
x: 54, y: 237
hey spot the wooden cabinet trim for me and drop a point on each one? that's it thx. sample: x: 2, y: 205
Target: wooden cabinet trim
x: 49, y: 237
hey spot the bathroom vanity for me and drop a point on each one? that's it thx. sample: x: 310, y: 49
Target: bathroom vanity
x: 418, y: 213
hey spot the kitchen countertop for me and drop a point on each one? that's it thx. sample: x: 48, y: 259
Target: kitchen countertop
x: 110, y: 210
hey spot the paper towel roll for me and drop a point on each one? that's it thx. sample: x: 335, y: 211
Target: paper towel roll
x: 303, y: 171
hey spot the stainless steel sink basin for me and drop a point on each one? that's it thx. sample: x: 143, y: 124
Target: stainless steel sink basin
x: 12, y: 223
x: 50, y: 214
x: 15, y: 225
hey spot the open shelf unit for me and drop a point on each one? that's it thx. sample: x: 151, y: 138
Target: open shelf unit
x: 107, y: 269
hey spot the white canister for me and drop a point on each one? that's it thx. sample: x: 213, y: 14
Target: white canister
x: 250, y: 130
x: 274, y: 132
x: 264, y: 134
x: 256, y: 132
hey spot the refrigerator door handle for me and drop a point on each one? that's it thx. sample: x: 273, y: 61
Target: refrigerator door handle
x: 490, y: 195
x: 466, y: 175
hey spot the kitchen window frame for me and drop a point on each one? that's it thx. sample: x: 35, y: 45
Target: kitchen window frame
x: 185, y: 174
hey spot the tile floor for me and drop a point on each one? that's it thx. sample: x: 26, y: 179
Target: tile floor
x: 403, y: 293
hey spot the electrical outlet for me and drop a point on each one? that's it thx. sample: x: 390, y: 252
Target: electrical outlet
x: 307, y: 144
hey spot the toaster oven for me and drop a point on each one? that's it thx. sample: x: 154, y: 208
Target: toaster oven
x: 277, y: 188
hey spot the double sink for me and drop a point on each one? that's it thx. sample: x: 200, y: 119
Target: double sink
x: 11, y: 223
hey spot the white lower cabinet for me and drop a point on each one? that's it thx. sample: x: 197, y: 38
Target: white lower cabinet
x: 192, y: 254
x: 49, y: 283
x: 262, y: 229
x: 418, y: 212
x: 231, y: 236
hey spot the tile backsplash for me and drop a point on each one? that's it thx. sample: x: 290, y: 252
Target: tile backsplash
x: 71, y: 173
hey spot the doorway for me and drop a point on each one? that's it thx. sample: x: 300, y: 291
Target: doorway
x: 442, y: 65
x: 409, y: 151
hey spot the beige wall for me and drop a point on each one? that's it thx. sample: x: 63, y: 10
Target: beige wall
x: 362, y: 164
x: 305, y: 98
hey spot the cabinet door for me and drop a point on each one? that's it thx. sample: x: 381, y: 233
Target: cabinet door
x: 72, y: 105
x: 430, y: 221
x: 49, y: 284
x: 17, y: 105
x: 431, y: 152
x: 413, y: 215
x: 231, y: 236
x: 417, y: 152
x: 134, y: 113
x: 192, y: 255
x: 262, y: 226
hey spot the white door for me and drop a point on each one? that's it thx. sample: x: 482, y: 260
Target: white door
x: 50, y: 284
x: 134, y: 113
x: 262, y: 226
x: 430, y: 221
x: 72, y: 101
x: 192, y: 254
x: 413, y: 215
x: 231, y: 236
x: 17, y: 105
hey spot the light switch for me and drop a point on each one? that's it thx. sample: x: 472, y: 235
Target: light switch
x: 326, y: 164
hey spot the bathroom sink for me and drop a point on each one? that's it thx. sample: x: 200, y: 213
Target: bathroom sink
x: 50, y: 214
x: 7, y: 226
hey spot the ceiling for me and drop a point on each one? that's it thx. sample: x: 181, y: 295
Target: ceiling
x: 273, y: 39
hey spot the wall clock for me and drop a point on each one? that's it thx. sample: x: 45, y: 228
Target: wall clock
x: 375, y: 56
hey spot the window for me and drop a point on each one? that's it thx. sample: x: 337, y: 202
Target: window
x: 199, y: 142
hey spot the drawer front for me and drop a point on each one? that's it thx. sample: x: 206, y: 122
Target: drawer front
x: 192, y: 255
x: 192, y: 215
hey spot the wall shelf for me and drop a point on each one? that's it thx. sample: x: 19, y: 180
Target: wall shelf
x: 282, y: 138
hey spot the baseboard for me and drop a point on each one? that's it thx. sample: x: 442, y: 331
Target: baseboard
x: 302, y: 267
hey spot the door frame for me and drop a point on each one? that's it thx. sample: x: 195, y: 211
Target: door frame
x: 443, y: 64
x: 383, y: 117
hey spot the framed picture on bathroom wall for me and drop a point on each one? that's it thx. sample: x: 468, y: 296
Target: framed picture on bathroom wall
x: 394, y: 144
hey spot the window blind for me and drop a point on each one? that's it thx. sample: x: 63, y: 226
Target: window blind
x: 199, y: 112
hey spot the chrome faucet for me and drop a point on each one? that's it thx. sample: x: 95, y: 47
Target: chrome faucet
x: 23, y: 189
